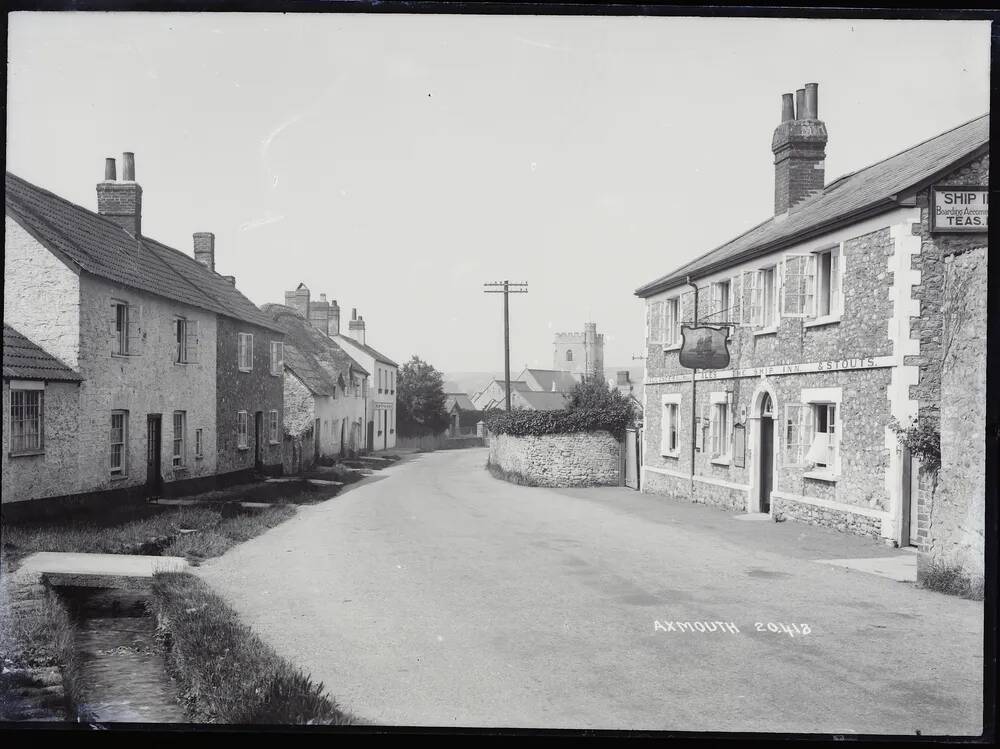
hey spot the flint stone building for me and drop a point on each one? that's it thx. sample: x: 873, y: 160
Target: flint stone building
x: 836, y: 301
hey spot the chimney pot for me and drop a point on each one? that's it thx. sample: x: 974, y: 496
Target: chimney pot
x: 109, y: 170
x: 322, y: 297
x: 204, y: 249
x: 231, y: 279
x: 800, y: 103
x: 812, y: 101
x: 354, y: 313
x: 128, y: 166
x: 787, y: 107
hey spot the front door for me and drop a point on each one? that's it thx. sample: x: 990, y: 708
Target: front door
x: 766, y: 456
x: 258, y: 439
x: 370, y: 442
x: 316, y: 449
x: 385, y: 429
x: 153, y: 441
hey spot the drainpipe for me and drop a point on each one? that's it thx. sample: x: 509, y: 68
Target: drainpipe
x: 694, y: 401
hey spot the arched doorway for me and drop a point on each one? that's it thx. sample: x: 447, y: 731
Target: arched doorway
x: 765, y: 455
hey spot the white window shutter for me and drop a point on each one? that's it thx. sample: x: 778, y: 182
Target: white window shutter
x: 665, y: 428
x: 811, y: 295
x: 835, y: 282
x: 794, y: 285
x: 793, y: 433
x: 735, y: 300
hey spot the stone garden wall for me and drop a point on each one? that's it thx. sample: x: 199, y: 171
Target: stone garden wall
x: 570, y: 459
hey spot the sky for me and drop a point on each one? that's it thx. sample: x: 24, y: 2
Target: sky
x: 398, y: 162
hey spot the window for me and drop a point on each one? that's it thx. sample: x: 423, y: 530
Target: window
x: 272, y: 427
x: 125, y: 327
x: 721, y: 295
x: 798, y: 285
x: 380, y: 379
x: 277, y: 356
x: 392, y: 381
x: 246, y: 352
x: 669, y: 442
x: 186, y: 340
x: 827, y: 284
x: 26, y: 420
x: 119, y: 440
x: 569, y: 354
x: 180, y: 427
x: 720, y: 426
x: 242, y: 431
x: 822, y: 432
x: 671, y: 322
x: 198, y: 445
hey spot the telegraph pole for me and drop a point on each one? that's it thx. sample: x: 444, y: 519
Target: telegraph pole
x: 506, y: 288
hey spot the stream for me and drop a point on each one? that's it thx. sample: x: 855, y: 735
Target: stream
x: 123, y: 676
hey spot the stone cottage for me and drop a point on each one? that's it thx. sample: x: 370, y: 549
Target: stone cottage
x: 324, y: 403
x: 833, y: 311
x: 147, y: 328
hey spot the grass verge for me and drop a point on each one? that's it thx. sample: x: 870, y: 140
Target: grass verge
x: 953, y: 581
x: 162, y: 531
x: 225, y: 672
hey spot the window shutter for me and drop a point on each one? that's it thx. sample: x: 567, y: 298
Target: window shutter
x: 191, y: 336
x: 134, y: 329
x: 735, y: 300
x: 747, y: 293
x: 810, y: 296
x: 793, y: 433
x: 664, y: 428
x: 835, y: 282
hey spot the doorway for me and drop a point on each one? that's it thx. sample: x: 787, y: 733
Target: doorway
x: 765, y: 455
x: 909, y: 495
x: 258, y: 433
x: 153, y: 455
x: 385, y: 428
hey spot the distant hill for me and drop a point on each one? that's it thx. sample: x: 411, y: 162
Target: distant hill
x: 472, y: 382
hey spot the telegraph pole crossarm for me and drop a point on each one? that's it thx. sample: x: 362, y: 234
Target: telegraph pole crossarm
x: 506, y: 288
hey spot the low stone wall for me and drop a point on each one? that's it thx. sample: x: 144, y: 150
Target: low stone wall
x: 847, y: 522
x: 441, y: 441
x: 574, y: 459
x: 704, y: 492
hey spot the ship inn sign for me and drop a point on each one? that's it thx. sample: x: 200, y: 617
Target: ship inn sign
x: 829, y: 365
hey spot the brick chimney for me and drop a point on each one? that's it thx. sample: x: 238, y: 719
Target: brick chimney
x: 356, y: 327
x: 334, y: 321
x: 121, y: 201
x: 624, y: 378
x: 319, y: 315
x: 204, y: 248
x: 799, y: 147
x: 299, y: 299
x: 231, y: 279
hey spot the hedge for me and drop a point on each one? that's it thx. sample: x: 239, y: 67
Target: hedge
x: 535, y: 423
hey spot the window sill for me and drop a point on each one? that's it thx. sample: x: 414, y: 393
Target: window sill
x: 25, y: 453
x: 243, y: 449
x: 827, y: 476
x: 721, y: 461
x: 671, y: 347
x: 675, y: 454
x: 273, y: 442
x: 119, y: 476
x: 182, y: 363
x: 766, y: 331
x: 244, y: 369
x: 180, y: 469
x: 821, y: 321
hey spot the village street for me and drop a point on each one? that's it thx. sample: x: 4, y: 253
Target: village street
x: 434, y: 594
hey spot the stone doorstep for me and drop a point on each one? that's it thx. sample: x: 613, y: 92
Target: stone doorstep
x: 324, y: 482
x: 901, y: 568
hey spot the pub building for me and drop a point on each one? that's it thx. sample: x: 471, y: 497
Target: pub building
x: 833, y: 307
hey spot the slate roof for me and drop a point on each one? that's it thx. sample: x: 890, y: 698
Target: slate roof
x: 317, y: 360
x: 23, y: 359
x: 871, y: 190
x: 541, y: 401
x: 94, y: 244
x: 564, y: 381
x: 370, y: 351
x: 460, y: 399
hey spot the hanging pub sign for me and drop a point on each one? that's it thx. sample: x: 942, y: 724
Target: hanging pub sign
x: 704, y: 347
x: 959, y: 209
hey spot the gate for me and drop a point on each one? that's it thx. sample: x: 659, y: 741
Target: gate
x: 633, y: 457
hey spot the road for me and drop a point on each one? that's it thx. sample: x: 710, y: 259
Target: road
x: 434, y: 594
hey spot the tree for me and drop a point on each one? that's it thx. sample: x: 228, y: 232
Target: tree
x: 420, y: 400
x: 594, y: 392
